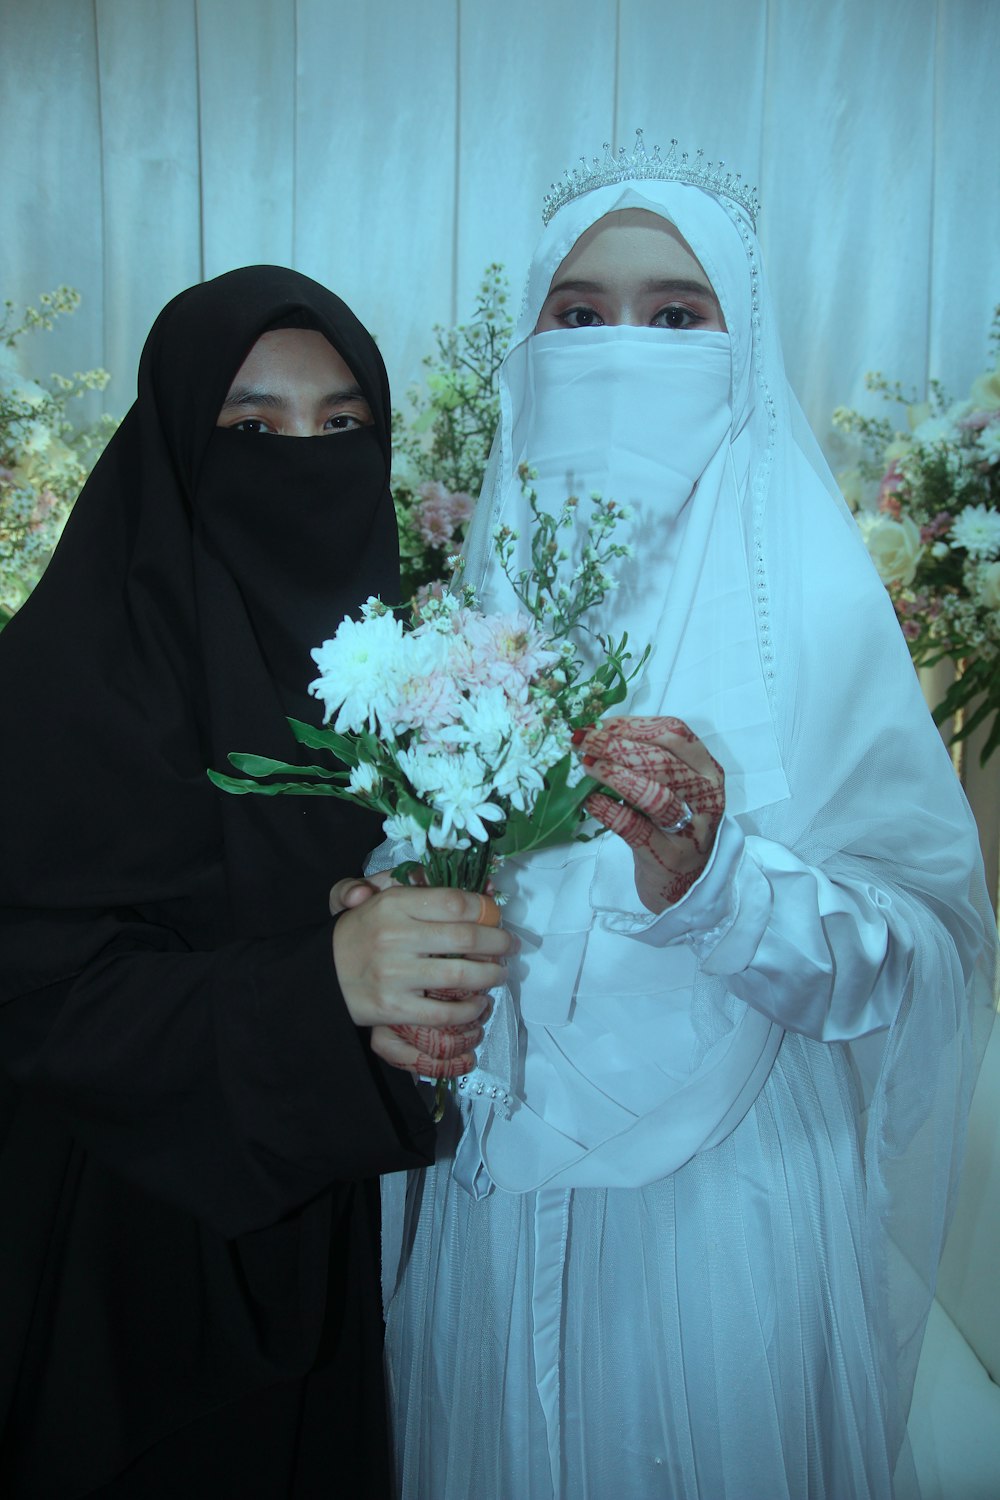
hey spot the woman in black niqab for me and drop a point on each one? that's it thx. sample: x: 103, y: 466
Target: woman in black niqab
x: 188, y: 1243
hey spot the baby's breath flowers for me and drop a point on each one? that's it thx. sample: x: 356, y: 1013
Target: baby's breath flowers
x: 44, y: 456
x: 545, y: 593
x: 932, y: 526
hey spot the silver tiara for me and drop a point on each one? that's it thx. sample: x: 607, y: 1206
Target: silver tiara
x: 640, y: 164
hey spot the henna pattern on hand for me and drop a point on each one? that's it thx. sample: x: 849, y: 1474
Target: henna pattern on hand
x: 629, y: 757
x: 440, y: 1042
x: 429, y: 1067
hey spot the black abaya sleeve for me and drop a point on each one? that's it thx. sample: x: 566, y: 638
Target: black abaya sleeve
x: 231, y: 1083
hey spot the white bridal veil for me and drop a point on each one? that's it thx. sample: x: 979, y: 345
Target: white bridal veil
x: 775, y: 640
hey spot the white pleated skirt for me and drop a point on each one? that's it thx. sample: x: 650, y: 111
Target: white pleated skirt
x: 713, y: 1336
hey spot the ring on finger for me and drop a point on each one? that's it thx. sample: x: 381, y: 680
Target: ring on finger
x: 684, y: 821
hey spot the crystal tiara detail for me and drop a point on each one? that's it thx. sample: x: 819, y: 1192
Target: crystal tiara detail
x: 639, y: 164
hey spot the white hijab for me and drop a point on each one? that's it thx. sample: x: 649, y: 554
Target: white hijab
x: 776, y: 641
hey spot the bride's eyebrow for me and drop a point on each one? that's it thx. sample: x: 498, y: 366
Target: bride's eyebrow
x: 576, y: 286
x: 678, y: 288
x: 663, y: 285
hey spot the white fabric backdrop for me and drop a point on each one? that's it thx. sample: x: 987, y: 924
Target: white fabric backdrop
x: 393, y: 149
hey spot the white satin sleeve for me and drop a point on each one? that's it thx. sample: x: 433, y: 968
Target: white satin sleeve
x: 824, y: 957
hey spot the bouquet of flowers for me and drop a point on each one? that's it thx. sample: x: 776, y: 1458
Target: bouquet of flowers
x: 934, y: 533
x: 458, y: 725
x: 44, y: 457
x: 440, y: 453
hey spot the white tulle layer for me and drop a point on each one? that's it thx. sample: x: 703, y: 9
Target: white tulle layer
x: 711, y: 1335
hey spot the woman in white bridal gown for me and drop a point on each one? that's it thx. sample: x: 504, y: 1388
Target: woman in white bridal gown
x: 694, y: 1257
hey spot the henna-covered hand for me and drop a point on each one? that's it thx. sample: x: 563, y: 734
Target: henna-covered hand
x: 674, y: 799
x: 400, y: 967
x: 431, y: 1051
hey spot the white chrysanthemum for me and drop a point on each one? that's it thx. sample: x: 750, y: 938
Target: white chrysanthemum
x: 989, y: 585
x: 427, y: 696
x: 989, y: 443
x: 463, y: 798
x: 520, y: 776
x: 977, y: 529
x: 364, y: 778
x: 484, y: 720
x: 420, y: 764
x: 358, y: 669
x: 934, y: 430
x: 401, y: 828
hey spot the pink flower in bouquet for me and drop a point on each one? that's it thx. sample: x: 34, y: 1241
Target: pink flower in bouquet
x: 508, y: 650
x: 978, y: 420
x: 936, y: 527
x: 439, y: 514
x: 888, y: 500
x: 429, y: 698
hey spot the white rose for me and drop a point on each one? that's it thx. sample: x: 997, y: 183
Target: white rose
x: 989, y: 586
x: 895, y: 548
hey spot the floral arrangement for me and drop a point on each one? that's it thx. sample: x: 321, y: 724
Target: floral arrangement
x: 44, y: 456
x: 440, y: 451
x: 458, y: 726
x: 933, y: 532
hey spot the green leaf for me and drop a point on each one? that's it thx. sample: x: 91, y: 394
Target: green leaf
x: 240, y: 787
x: 555, y: 817
x: 262, y: 765
x: 972, y: 721
x: 318, y: 738
x: 351, y: 749
x: 992, y: 739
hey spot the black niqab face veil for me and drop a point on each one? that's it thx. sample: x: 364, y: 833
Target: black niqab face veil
x: 174, y: 625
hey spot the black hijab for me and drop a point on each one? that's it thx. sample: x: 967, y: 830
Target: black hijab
x: 172, y: 626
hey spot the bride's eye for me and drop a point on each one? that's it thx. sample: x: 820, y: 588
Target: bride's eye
x: 580, y: 316
x: 676, y: 315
